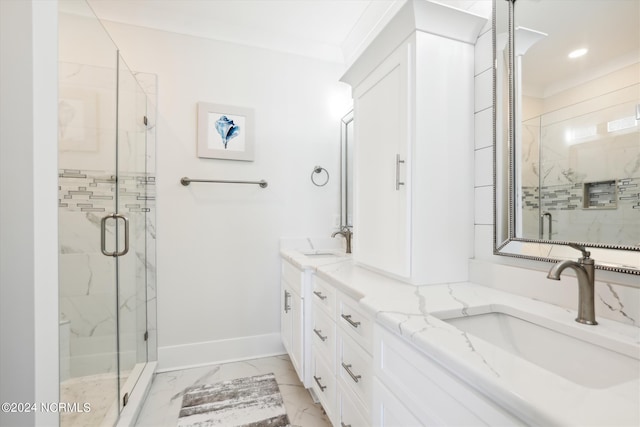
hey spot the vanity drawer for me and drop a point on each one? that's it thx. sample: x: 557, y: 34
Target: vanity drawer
x: 323, y: 335
x: 355, y: 370
x: 324, y: 385
x: 324, y: 295
x: 293, y: 276
x: 410, y: 374
x: 349, y: 415
x: 354, y: 321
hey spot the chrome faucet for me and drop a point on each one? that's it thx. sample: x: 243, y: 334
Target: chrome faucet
x: 585, y: 273
x: 347, y: 234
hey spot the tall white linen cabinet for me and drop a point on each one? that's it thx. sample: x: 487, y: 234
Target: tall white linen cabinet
x: 413, y: 92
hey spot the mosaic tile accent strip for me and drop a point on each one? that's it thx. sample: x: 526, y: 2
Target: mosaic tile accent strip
x: 571, y: 196
x: 94, y: 191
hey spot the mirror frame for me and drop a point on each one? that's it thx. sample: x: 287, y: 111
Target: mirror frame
x: 346, y: 164
x: 607, y: 256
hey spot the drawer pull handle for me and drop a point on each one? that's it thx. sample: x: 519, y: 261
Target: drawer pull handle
x: 319, y: 295
x: 287, y: 307
x: 318, y: 333
x: 317, y: 379
x: 353, y: 376
x: 344, y: 425
x: 347, y: 317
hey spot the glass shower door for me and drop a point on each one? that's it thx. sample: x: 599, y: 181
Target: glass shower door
x: 87, y: 108
x: 131, y: 203
x: 106, y: 238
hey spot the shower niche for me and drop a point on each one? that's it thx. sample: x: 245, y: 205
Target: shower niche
x: 106, y: 191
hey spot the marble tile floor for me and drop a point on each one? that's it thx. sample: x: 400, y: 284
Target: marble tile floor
x: 163, y: 402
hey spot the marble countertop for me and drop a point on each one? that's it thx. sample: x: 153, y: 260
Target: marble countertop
x: 534, y: 394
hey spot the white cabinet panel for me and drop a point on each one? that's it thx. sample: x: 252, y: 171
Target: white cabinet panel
x: 324, y: 295
x: 297, y: 336
x: 388, y: 411
x: 381, y: 206
x: 291, y: 327
x: 324, y: 336
x: 354, y: 321
x: 411, y: 375
x: 354, y: 370
x: 295, y: 321
x: 324, y: 384
x: 349, y: 414
x: 286, y: 316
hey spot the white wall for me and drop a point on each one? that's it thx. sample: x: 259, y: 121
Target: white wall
x: 618, y: 295
x: 28, y: 209
x: 218, y: 261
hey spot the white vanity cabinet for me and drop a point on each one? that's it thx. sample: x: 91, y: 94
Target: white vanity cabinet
x: 413, y: 128
x: 354, y: 363
x: 412, y: 389
x: 294, y: 318
x: 342, y: 370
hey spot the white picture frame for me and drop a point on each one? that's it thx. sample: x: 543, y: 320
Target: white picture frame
x: 225, y: 132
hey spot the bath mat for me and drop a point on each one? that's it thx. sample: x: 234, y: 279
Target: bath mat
x: 243, y: 402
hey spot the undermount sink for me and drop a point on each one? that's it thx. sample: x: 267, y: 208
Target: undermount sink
x: 587, y: 360
x: 320, y: 254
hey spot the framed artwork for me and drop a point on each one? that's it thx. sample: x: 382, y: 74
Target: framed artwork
x: 225, y: 132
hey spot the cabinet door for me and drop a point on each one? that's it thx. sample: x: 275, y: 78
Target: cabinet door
x: 382, y: 166
x: 286, y: 316
x: 297, y: 335
x: 388, y: 411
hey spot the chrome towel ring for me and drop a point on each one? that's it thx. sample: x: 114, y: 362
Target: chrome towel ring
x: 317, y: 171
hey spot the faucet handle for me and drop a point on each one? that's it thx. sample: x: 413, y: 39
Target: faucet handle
x: 585, y: 253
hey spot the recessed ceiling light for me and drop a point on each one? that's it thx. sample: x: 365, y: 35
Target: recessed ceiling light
x: 578, y: 53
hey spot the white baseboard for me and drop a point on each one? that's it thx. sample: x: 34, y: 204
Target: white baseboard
x: 184, y: 356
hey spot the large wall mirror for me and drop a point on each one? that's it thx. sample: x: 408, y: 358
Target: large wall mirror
x: 567, y: 134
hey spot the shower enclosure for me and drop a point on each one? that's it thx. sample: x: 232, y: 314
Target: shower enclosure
x: 580, y: 171
x: 106, y: 147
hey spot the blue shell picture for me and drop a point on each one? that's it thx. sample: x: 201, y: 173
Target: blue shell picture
x: 227, y: 129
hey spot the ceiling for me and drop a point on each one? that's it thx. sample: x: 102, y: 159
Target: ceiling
x: 610, y: 29
x: 332, y: 30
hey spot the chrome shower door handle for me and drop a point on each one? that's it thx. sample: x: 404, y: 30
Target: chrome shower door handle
x: 103, y: 235
x: 541, y: 225
x: 398, y: 182
x: 126, y: 234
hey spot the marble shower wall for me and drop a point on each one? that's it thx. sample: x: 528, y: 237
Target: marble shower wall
x: 583, y: 168
x: 89, y: 299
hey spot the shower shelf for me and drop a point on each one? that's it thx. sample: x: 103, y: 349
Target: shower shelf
x: 600, y: 195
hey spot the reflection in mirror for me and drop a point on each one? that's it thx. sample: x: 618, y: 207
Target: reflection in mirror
x: 346, y: 170
x: 567, y: 135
